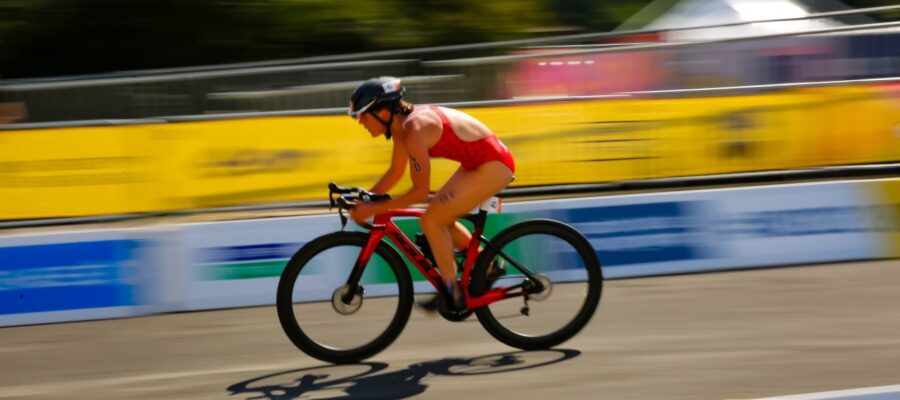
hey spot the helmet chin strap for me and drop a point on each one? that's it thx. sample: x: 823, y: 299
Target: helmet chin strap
x: 387, y: 124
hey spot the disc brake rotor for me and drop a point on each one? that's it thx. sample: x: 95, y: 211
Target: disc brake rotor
x: 340, y: 306
x: 543, y: 294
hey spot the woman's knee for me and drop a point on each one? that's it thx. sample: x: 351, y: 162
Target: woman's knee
x: 434, y: 219
x: 428, y: 222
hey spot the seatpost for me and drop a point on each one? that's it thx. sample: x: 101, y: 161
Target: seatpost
x: 479, y: 218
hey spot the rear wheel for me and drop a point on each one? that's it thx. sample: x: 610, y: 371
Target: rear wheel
x: 332, y: 321
x: 564, y: 263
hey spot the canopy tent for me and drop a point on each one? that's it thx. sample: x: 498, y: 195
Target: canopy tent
x: 664, y: 15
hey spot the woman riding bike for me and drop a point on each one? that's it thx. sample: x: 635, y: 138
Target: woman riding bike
x: 419, y: 133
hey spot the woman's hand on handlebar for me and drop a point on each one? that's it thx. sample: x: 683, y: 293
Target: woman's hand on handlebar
x: 359, y: 203
x: 363, y: 211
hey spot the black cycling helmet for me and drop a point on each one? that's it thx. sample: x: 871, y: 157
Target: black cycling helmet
x: 375, y: 94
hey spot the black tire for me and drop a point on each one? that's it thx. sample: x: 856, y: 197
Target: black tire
x: 318, y: 257
x: 537, y: 238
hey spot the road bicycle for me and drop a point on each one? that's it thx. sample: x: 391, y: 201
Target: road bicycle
x: 547, y: 265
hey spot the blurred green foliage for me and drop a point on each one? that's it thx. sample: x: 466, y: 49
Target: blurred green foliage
x: 62, y: 37
x: 883, y: 16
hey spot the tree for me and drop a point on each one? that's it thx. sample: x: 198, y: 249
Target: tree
x: 63, y: 37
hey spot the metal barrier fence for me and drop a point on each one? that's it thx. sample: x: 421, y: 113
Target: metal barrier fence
x: 505, y: 70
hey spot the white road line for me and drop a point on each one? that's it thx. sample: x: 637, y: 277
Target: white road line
x: 872, y: 393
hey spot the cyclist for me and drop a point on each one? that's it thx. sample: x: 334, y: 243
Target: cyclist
x: 418, y: 134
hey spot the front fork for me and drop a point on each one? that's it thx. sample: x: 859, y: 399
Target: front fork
x: 359, y: 267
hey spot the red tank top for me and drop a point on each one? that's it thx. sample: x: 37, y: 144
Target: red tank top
x: 470, y: 154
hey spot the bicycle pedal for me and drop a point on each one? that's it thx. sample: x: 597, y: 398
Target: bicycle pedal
x: 525, y: 310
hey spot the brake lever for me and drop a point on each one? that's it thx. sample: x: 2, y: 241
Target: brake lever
x: 343, y: 205
x: 343, y: 219
x: 332, y: 188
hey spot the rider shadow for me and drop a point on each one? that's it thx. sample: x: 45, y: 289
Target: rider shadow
x: 362, y: 381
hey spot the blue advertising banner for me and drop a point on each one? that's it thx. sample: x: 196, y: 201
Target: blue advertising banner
x: 244, y: 262
x: 67, y: 276
x: 640, y: 233
x: 238, y: 263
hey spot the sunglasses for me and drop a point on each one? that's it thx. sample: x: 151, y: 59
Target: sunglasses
x: 355, y: 114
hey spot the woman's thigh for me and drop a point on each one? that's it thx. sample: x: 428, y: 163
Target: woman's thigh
x: 468, y: 188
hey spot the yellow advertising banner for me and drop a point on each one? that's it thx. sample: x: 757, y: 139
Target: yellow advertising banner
x: 252, y: 160
x: 191, y: 165
x: 240, y: 161
x: 79, y: 171
x: 601, y: 141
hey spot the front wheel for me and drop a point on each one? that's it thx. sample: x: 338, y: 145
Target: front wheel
x: 565, y: 264
x: 333, y: 321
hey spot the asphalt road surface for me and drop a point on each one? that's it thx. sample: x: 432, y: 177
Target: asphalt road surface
x: 729, y: 335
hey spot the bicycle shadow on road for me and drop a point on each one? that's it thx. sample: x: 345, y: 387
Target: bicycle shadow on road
x: 363, y: 380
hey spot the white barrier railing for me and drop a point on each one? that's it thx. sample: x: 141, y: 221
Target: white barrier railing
x: 118, y: 273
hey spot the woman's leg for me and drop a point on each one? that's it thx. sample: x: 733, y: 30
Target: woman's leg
x: 460, y: 235
x: 460, y: 194
x: 458, y: 232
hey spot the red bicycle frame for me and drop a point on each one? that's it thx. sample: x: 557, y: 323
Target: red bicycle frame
x: 383, y: 224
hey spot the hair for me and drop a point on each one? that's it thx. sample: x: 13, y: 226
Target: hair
x: 404, y: 107
x: 401, y: 107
